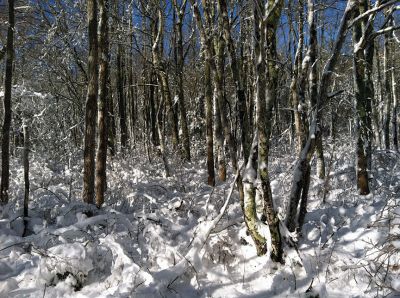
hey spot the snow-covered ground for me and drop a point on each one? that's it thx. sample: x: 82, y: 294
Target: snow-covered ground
x: 146, y: 241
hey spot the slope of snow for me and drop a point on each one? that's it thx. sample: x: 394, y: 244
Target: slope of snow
x: 150, y: 238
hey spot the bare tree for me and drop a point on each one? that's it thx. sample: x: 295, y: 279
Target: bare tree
x: 266, y: 18
x: 299, y: 188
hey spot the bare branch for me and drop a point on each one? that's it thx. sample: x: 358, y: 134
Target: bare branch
x: 376, y: 8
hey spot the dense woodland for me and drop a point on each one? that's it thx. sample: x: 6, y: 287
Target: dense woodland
x: 225, y: 87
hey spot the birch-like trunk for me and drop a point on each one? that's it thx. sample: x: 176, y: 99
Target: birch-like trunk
x: 219, y: 105
x: 395, y: 101
x: 180, y: 11
x: 163, y: 76
x: 164, y: 92
x: 297, y: 85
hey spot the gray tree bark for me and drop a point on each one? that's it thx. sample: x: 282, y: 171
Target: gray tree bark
x: 91, y: 106
x: 5, y: 145
x: 101, y: 157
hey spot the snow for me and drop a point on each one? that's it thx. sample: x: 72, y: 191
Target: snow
x: 396, y: 284
x: 178, y: 237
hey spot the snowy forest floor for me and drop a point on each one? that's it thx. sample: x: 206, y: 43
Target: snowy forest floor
x: 350, y: 245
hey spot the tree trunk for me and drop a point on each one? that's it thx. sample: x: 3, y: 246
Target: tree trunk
x: 111, y: 126
x: 209, y: 121
x: 164, y: 91
x: 153, y: 111
x: 237, y: 78
x: 320, y: 158
x: 378, y: 113
x: 91, y: 106
x: 162, y: 149
x: 101, y: 158
x: 249, y: 204
x: 264, y: 121
x: 208, y: 66
x: 121, y: 97
x: 362, y: 113
x: 313, y: 83
x: 180, y: 64
x: 297, y: 88
x: 132, y: 89
x: 163, y: 76
x: 5, y: 145
x: 362, y: 164
x: 218, y: 103
x: 395, y: 102
x: 219, y: 135
x: 388, y: 91
x: 26, y: 168
x: 369, y: 58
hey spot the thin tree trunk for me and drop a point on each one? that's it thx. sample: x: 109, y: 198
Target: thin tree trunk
x: 320, y: 158
x: 91, y: 106
x: 162, y: 149
x: 164, y: 91
x: 395, y: 102
x: 237, y: 78
x: 101, y: 158
x: 296, y: 86
x: 132, y: 89
x: 218, y: 103
x: 208, y: 66
x: 121, y: 97
x: 180, y: 64
x: 5, y: 145
x: 111, y: 126
x: 209, y: 121
x: 26, y: 168
x: 163, y: 76
x: 388, y: 91
x: 313, y: 83
x: 378, y: 114
x: 153, y: 111
x: 219, y: 135
x: 369, y: 59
